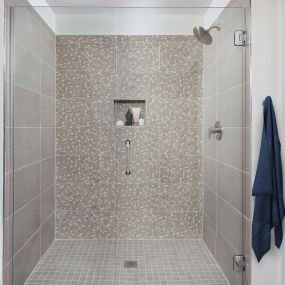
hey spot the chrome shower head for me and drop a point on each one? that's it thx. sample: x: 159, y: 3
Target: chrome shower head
x: 203, y: 35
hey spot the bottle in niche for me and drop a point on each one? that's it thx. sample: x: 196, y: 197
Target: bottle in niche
x: 141, y: 120
x: 129, y: 118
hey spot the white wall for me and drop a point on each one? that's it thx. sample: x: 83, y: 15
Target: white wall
x: 129, y: 21
x: 268, y: 78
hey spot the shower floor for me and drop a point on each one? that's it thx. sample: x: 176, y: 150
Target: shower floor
x: 102, y: 262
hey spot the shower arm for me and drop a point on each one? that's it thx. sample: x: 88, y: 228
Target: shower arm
x: 218, y: 27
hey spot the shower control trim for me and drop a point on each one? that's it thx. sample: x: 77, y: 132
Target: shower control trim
x: 216, y: 130
x: 128, y: 157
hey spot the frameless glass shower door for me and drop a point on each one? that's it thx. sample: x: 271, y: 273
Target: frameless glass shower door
x: 129, y: 147
x: 226, y: 157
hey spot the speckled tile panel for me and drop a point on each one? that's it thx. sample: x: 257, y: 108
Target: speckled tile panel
x: 162, y: 198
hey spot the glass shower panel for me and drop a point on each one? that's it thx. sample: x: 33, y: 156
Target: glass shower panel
x: 112, y: 201
x: 64, y: 197
x: 225, y: 167
x: 184, y: 190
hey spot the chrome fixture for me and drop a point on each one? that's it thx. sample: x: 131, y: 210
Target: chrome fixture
x: 216, y: 130
x: 128, y: 146
x: 203, y: 35
x: 238, y: 263
x: 240, y: 38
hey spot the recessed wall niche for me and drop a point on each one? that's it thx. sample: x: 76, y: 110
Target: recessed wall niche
x: 137, y: 109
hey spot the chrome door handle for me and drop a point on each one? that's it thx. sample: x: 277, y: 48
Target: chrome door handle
x: 128, y: 156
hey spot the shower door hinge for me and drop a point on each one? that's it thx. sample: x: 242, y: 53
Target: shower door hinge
x: 240, y: 38
x: 238, y: 263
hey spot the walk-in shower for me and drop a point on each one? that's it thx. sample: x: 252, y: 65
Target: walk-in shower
x: 126, y: 145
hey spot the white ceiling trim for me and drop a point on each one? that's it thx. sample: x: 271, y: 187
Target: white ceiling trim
x: 45, y: 13
x: 131, y: 3
x: 213, y: 13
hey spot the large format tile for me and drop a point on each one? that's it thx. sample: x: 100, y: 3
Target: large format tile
x: 229, y: 148
x: 27, y: 185
x: 229, y: 107
x: 26, y: 222
x: 209, y: 235
x: 210, y: 204
x: 47, y: 142
x: 210, y: 80
x: 28, y: 30
x: 229, y: 223
x: 49, y: 47
x: 47, y: 173
x: 48, y: 84
x: 27, y: 69
x: 26, y: 146
x: 27, y: 108
x: 224, y: 257
x: 26, y: 259
x: 229, y: 70
x: 230, y: 185
x: 47, y: 234
x: 210, y: 173
x: 47, y: 203
x: 47, y: 111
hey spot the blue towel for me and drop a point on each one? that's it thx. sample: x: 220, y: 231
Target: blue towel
x: 268, y: 187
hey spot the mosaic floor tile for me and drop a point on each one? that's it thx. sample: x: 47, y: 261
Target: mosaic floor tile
x: 101, y: 262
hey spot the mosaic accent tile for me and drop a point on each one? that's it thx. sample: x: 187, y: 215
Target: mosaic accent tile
x: 102, y: 57
x: 73, y: 56
x: 107, y: 225
x: 76, y: 111
x: 131, y: 85
x: 177, y: 57
x: 181, y: 197
x: 108, y: 197
x: 78, y: 141
x: 165, y: 154
x: 186, y: 141
x: 78, y: 224
x: 137, y: 57
x: 78, y: 169
x: 180, y: 169
x: 73, y: 84
x: 127, y: 197
x: 108, y: 169
x: 103, y: 85
x: 137, y: 38
x: 149, y: 198
x: 130, y: 225
x: 145, y: 169
x: 175, y: 111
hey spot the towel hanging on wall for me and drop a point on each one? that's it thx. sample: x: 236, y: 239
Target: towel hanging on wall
x: 268, y: 187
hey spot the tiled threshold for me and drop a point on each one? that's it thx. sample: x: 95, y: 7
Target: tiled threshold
x: 102, y: 262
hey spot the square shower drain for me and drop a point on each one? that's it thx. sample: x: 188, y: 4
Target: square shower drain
x: 130, y: 264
